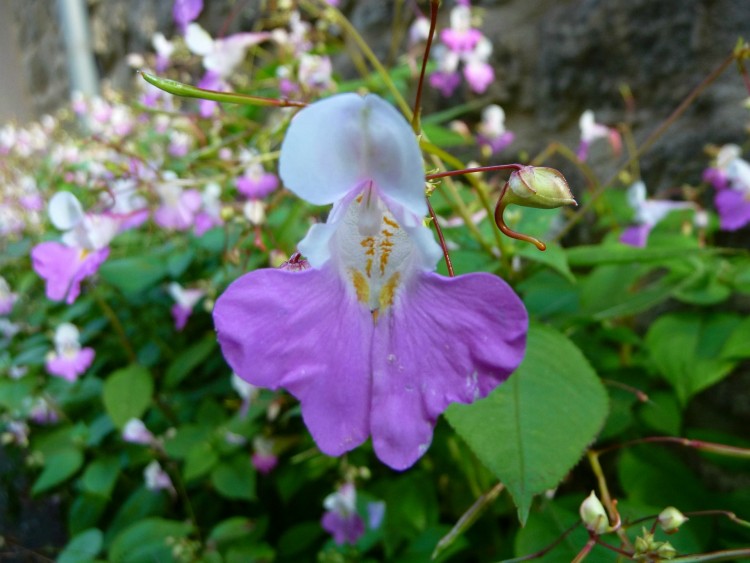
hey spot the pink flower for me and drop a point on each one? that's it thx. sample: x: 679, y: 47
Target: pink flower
x: 460, y: 37
x: 178, y: 207
x: 7, y: 297
x: 591, y: 131
x: 731, y: 178
x: 256, y: 183
x: 341, y: 519
x: 185, y: 299
x: 223, y: 55
x: 185, y: 12
x: 84, y: 249
x: 135, y: 432
x: 68, y: 360
x: 368, y: 338
x: 156, y: 479
x: 492, y: 132
x: 648, y: 213
x: 263, y: 458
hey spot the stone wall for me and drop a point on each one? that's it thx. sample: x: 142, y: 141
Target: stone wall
x: 554, y: 58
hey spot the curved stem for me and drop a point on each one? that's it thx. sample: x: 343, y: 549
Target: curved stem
x: 500, y: 222
x: 434, y: 5
x: 448, y: 263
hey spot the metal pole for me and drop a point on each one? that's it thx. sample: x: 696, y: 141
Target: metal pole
x: 84, y: 77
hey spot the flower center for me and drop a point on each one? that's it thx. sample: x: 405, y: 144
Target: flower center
x: 374, y: 254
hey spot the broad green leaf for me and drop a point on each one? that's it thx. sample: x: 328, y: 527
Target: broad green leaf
x: 85, y: 512
x: 135, y: 274
x: 140, y: 504
x: 188, y: 359
x: 442, y: 136
x: 58, y: 467
x: 595, y: 255
x: 127, y: 394
x: 84, y: 547
x: 554, y: 257
x: 412, y: 507
x: 201, y: 459
x: 687, y: 349
x: 147, y: 541
x: 14, y: 393
x: 534, y: 428
x: 235, y: 478
x: 738, y: 345
x: 100, y: 476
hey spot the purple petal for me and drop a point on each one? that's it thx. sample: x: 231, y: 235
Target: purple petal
x: 734, y: 209
x: 636, y: 235
x: 446, y: 82
x: 344, y: 529
x: 64, y: 268
x: 446, y: 340
x: 479, y: 75
x: 71, y: 368
x: 257, y: 188
x: 460, y: 41
x: 186, y: 11
x: 302, y: 331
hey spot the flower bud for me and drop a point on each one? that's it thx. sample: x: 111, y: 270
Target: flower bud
x: 670, y: 519
x: 593, y: 515
x: 540, y: 187
x: 665, y: 550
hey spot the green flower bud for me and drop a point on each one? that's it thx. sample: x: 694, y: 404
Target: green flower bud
x: 593, y: 515
x: 666, y: 551
x: 670, y: 519
x: 540, y: 187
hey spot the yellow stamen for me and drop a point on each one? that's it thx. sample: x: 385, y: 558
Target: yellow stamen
x: 360, y: 286
x: 385, y: 299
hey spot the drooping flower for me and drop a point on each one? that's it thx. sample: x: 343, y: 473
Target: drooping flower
x: 7, y: 297
x: 591, y: 131
x: 178, y: 207
x: 156, y: 479
x: 368, y: 338
x: 731, y: 178
x: 341, y: 519
x: 185, y: 301
x: 84, y: 247
x: 68, y: 360
x: 492, y: 136
x: 135, y: 432
x: 648, y: 213
x: 462, y: 43
x: 222, y: 55
x: 255, y: 182
x: 263, y: 459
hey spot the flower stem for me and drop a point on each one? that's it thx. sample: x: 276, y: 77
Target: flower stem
x: 448, y: 263
x: 416, y: 126
x: 117, y: 325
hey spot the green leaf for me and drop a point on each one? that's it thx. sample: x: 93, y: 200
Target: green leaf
x: 442, y: 136
x: 687, y: 350
x: 534, y: 428
x: 187, y: 360
x: 738, y: 345
x: 147, y: 541
x: 127, y: 394
x: 100, y: 476
x: 140, y: 504
x: 84, y: 547
x: 235, y: 478
x: 58, y: 467
x: 136, y: 273
x: 85, y: 512
x: 594, y: 255
x: 200, y: 460
x: 554, y: 257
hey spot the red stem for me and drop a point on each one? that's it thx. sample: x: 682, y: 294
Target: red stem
x: 463, y: 171
x: 434, y: 5
x: 448, y: 263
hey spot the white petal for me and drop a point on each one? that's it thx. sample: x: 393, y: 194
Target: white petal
x: 341, y: 143
x: 198, y: 40
x: 65, y: 210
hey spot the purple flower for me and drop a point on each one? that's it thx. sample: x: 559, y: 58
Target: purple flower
x: 648, y: 213
x: 135, y: 432
x: 178, y: 207
x: 7, y: 297
x: 460, y: 37
x: 731, y: 178
x: 65, y: 266
x: 68, y: 360
x: 341, y: 519
x: 156, y: 479
x: 256, y: 183
x: 492, y: 135
x: 263, y: 458
x: 369, y: 339
x: 185, y: 301
x: 185, y: 12
x: 591, y: 131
